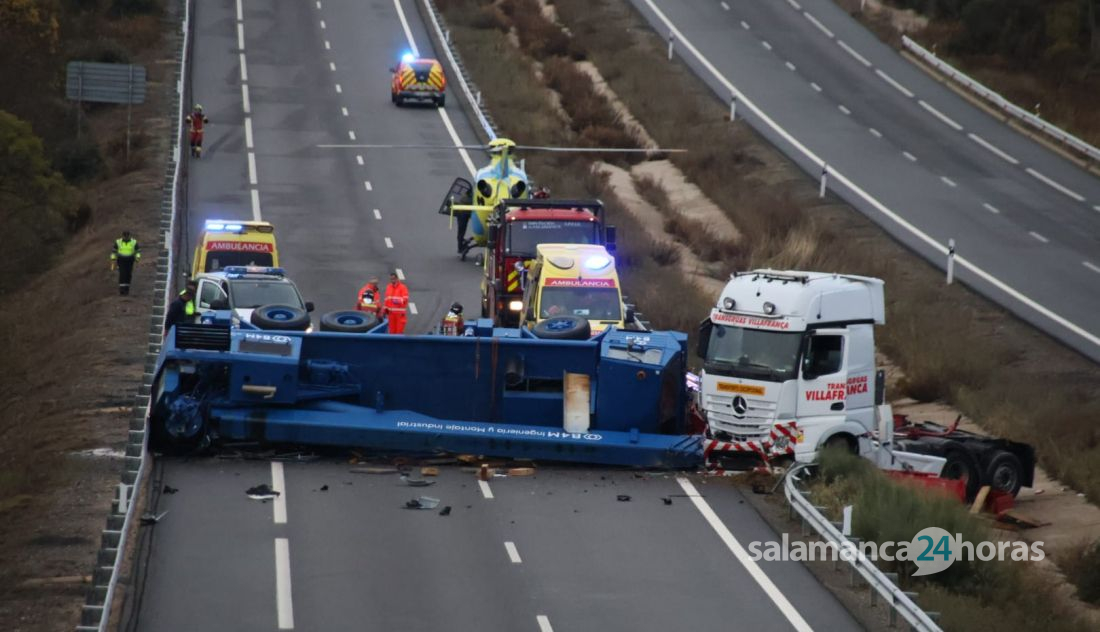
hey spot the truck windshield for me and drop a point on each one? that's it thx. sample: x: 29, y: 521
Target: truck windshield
x: 525, y: 236
x: 246, y: 293
x: 588, y: 303
x: 219, y: 260
x: 753, y: 353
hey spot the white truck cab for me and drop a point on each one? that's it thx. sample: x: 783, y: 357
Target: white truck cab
x: 789, y: 362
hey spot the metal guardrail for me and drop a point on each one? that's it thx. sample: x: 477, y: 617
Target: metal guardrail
x: 878, y: 581
x: 469, y: 88
x: 1000, y: 102
x: 97, y: 609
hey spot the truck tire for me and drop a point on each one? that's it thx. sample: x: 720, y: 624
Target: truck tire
x: 563, y: 328
x: 1004, y: 472
x: 842, y: 441
x: 280, y: 317
x: 441, y: 100
x: 961, y: 465
x: 349, y: 322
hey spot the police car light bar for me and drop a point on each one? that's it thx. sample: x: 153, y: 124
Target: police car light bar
x: 407, y: 57
x: 220, y: 225
x: 241, y: 270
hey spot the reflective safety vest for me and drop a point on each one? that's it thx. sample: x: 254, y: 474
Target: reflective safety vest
x: 452, y: 325
x: 125, y: 248
x: 397, y: 298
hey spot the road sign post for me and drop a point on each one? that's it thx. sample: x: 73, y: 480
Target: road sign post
x: 105, y: 83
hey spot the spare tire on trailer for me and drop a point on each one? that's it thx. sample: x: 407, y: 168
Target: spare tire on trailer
x: 349, y: 322
x: 280, y: 317
x: 1005, y: 472
x: 563, y: 328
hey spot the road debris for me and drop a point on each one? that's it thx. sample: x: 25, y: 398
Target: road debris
x: 666, y: 500
x: 423, y: 502
x: 168, y: 489
x: 262, y: 492
x: 446, y: 511
x: 151, y: 519
x: 324, y: 488
x: 484, y: 473
x: 623, y: 498
x: 416, y: 482
x: 373, y: 470
x: 521, y: 471
x: 429, y: 471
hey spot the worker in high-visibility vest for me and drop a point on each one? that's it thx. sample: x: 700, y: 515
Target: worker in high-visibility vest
x: 124, y: 255
x: 396, y: 305
x: 181, y: 310
x: 452, y: 324
x: 369, y: 296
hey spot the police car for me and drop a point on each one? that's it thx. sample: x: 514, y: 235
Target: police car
x: 260, y: 296
x: 418, y: 79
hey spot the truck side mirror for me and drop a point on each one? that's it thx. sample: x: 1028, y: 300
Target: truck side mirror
x: 523, y: 279
x: 705, y: 328
x: 629, y: 315
x: 609, y: 239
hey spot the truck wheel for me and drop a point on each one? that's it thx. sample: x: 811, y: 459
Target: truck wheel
x: 349, y: 322
x: 1005, y: 473
x: 961, y: 465
x: 441, y: 100
x: 280, y: 317
x: 843, y: 442
x: 563, y: 328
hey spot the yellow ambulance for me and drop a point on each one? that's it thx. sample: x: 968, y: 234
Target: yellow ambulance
x: 572, y: 280
x: 234, y: 243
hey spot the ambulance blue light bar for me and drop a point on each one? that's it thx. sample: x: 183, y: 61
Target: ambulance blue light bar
x: 407, y: 57
x: 238, y: 271
x: 597, y: 262
x: 218, y: 225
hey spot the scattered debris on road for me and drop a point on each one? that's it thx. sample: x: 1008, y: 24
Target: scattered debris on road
x: 168, y: 489
x: 429, y: 471
x: 521, y: 471
x: 423, y: 502
x: 373, y: 470
x: 262, y: 492
x: 666, y: 500
x: 416, y: 482
x: 623, y: 498
x: 324, y: 488
x: 152, y: 519
x: 446, y: 511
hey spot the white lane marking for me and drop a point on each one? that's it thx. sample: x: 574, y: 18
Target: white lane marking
x: 992, y: 209
x: 283, y: 600
x: 844, y: 109
x: 1096, y: 208
x: 244, y: 99
x: 815, y: 86
x: 240, y: 11
x: 1055, y: 185
x: 244, y: 69
x: 278, y: 484
x: 795, y: 5
x: 248, y: 132
x: 790, y: 66
x: 766, y: 45
x: 323, y: 24
x: 725, y: 6
x: 745, y: 25
x: 412, y: 308
x: 367, y: 185
x: 1038, y: 236
x: 344, y: 111
x: 839, y: 176
x: 984, y: 143
x: 405, y: 25
x: 819, y: 25
x: 1091, y: 266
x: 332, y: 66
x: 328, y: 45
x: 389, y: 242
x: 339, y: 89
x: 359, y: 159
x: 875, y: 132
x: 513, y: 554
x: 851, y: 51
x: 909, y: 156
x: 890, y: 80
x: 485, y: 491
x: 351, y: 134
x: 318, y: 4
x: 240, y: 35
x: 941, y: 116
x: 948, y: 181
x: 742, y: 556
x: 544, y: 623
x: 377, y: 214
x: 256, y: 205
x: 399, y: 272
x: 252, y: 168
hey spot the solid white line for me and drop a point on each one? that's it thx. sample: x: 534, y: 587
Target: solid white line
x: 875, y: 132
x: 766, y: 45
x: 344, y: 111
x: 844, y: 109
x: 284, y: 603
x: 240, y: 11
x: 790, y: 66
x: 378, y: 215
x: 851, y: 51
x: 251, y: 168
x: 328, y: 46
x: 318, y: 4
x: 513, y: 554
x: 485, y: 491
x: 248, y: 132
x: 398, y: 271
x: 1038, y: 236
x: 256, y: 205
x: 981, y: 141
x: 745, y: 25
x: 941, y: 116
x: 278, y: 484
x: 351, y: 134
x: 323, y: 24
x: 339, y: 89
x: 815, y: 86
x: 332, y: 66
x: 797, y: 7
x: 948, y: 181
x: 367, y: 185
x: 1055, y: 185
x: 389, y: 242
x: 819, y: 25
x: 244, y: 69
x: 742, y: 556
x: 992, y: 209
x: 412, y: 308
x: 1096, y: 208
x: 544, y: 623
x: 725, y: 6
x: 244, y: 99
x: 1091, y: 266
x: 842, y: 179
x: 240, y: 35
x: 909, y: 156
x: 890, y: 80
x: 359, y: 159
x: 405, y: 25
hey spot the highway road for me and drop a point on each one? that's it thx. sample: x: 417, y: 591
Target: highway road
x: 337, y: 550
x: 913, y: 155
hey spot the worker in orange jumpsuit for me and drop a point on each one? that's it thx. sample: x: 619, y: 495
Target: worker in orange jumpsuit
x: 369, y: 296
x: 396, y: 305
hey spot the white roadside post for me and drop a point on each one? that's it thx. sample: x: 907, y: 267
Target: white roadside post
x: 950, y: 261
x: 824, y: 180
x: 670, y: 41
x: 123, y: 498
x: 733, y: 108
x: 847, y: 524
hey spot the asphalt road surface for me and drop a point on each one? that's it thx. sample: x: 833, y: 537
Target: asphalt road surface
x: 1025, y: 219
x: 338, y: 550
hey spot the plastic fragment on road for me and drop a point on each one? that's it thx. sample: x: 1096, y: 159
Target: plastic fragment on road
x: 623, y: 498
x: 446, y: 511
x: 666, y: 500
x: 416, y: 482
x: 151, y: 519
x: 168, y: 489
x: 262, y: 492
x: 521, y: 471
x: 423, y: 502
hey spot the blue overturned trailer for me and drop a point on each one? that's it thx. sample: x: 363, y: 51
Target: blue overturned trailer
x: 617, y: 399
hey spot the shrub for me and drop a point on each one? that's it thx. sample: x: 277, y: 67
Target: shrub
x: 79, y: 160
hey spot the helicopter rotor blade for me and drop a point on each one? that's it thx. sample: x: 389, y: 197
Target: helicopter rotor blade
x: 482, y: 147
x: 602, y: 150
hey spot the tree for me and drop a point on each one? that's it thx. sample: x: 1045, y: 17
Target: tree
x: 30, y: 32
